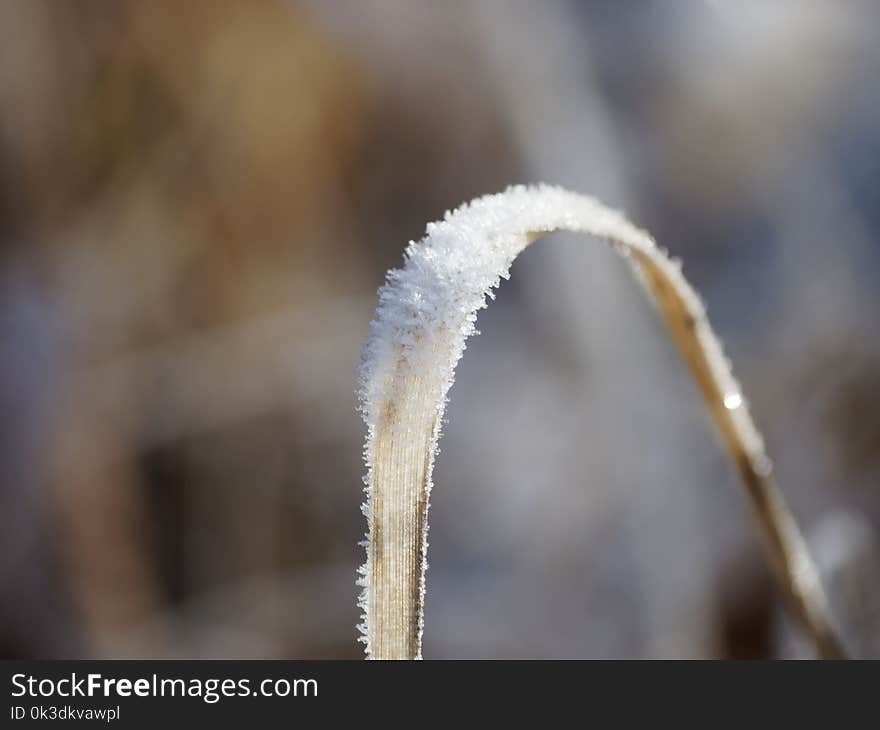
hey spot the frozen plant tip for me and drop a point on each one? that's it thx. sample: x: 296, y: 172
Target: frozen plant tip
x: 426, y: 312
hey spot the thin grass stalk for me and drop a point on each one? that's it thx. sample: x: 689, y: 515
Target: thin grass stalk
x: 426, y: 312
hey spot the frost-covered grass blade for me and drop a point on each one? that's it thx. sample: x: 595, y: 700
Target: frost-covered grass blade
x: 426, y: 312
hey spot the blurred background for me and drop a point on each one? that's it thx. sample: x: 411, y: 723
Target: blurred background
x: 198, y: 202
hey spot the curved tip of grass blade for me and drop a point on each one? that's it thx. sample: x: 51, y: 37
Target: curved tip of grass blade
x: 426, y: 312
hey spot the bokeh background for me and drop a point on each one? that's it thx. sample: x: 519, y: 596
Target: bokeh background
x: 198, y: 202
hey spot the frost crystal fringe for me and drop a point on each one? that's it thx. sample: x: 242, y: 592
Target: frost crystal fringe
x: 426, y: 312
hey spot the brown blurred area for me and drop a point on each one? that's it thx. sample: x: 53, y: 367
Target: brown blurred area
x: 177, y: 169
x: 197, y: 203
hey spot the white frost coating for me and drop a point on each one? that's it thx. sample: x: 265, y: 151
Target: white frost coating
x: 426, y: 312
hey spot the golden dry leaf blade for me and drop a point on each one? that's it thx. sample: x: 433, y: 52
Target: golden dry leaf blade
x: 426, y: 312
